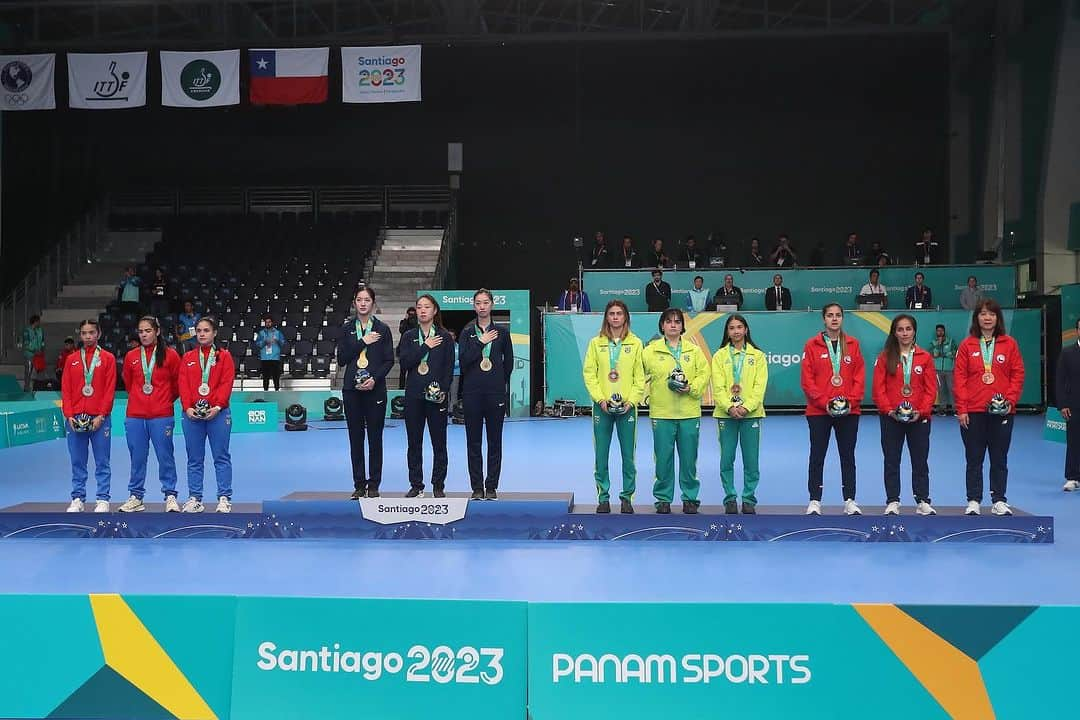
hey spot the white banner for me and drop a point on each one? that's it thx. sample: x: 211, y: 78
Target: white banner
x: 103, y: 81
x: 200, y: 79
x: 380, y: 74
x: 26, y: 82
x: 391, y: 511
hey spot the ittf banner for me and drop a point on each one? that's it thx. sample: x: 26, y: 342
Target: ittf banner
x: 26, y: 82
x: 380, y: 74
x: 104, y: 81
x: 200, y: 79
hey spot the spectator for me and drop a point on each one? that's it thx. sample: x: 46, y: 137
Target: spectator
x: 185, y: 327
x: 658, y: 292
x: 878, y: 255
x: 925, y: 248
x: 918, y: 296
x: 571, y: 300
x: 33, y: 347
x: 718, y: 250
x: 817, y: 255
x: 61, y: 359
x: 1068, y: 393
x: 159, y: 295
x: 972, y: 295
x: 729, y: 294
x: 943, y: 350
x: 783, y: 255
x: 627, y: 257
x: 852, y: 251
x: 691, y: 257
x: 409, y: 322
x: 271, y: 342
x: 598, y: 258
x: 777, y: 297
x: 875, y: 288
x: 755, y: 259
x: 127, y: 290
x: 697, y: 300
x: 658, y: 256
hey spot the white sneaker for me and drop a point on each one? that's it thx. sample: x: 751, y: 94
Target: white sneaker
x: 892, y: 508
x: 1071, y: 485
x: 814, y: 508
x: 972, y: 508
x: 101, y: 506
x: 925, y: 508
x: 224, y: 505
x: 850, y: 508
x: 133, y: 504
x: 193, y: 505
x: 170, y: 504
x: 1000, y: 508
x: 76, y: 505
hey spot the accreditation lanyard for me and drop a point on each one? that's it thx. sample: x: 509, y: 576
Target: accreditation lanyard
x: 421, y: 339
x: 987, y: 347
x: 147, y: 366
x: 88, y: 368
x: 206, y: 362
x: 486, y: 348
x: 737, y: 360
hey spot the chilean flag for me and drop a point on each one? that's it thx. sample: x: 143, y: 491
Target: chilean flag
x: 289, y: 77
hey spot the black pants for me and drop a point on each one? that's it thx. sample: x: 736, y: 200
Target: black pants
x: 917, y: 435
x: 419, y: 411
x: 365, y: 415
x: 847, y: 432
x: 1072, y: 449
x: 993, y: 433
x: 271, y: 370
x: 481, y: 410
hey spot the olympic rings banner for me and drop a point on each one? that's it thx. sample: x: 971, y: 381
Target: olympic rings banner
x: 810, y: 288
x: 380, y: 74
x: 26, y: 82
x: 781, y: 335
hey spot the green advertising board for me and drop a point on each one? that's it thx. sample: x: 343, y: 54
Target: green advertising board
x: 247, y: 417
x: 29, y: 421
x: 515, y: 302
x: 810, y: 288
x: 1070, y: 313
x: 1054, y: 428
x: 400, y: 659
x: 781, y: 335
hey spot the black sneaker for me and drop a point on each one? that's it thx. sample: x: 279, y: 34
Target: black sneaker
x: 663, y: 508
x: 748, y: 509
x: 415, y: 492
x: 689, y: 508
x: 477, y: 495
x: 731, y: 507
x: 372, y: 491
x: 356, y: 494
x: 440, y: 492
x: 603, y: 508
x: 626, y: 508
x: 491, y: 495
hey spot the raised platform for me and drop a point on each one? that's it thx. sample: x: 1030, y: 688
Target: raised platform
x: 516, y: 516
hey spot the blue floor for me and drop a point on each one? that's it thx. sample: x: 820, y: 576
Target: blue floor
x: 556, y: 455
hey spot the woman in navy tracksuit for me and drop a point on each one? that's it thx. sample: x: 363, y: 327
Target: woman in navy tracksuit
x: 427, y: 354
x: 366, y: 347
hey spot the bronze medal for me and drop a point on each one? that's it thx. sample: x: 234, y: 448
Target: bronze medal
x: 906, y: 391
x: 423, y: 368
x: 736, y: 389
x: 613, y: 376
x: 836, y: 381
x: 486, y: 365
x: 988, y: 378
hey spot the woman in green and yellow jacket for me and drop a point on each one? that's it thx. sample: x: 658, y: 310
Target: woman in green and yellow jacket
x: 678, y: 373
x: 616, y: 383
x: 740, y: 374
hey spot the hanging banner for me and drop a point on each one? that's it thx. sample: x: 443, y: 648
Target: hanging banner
x: 380, y: 74
x: 105, y: 81
x: 26, y: 82
x: 200, y: 79
x: 289, y: 77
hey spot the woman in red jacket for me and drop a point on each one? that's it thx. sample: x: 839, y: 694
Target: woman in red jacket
x: 206, y: 380
x: 988, y: 377
x: 833, y: 379
x: 904, y: 389
x: 151, y: 375
x: 87, y: 389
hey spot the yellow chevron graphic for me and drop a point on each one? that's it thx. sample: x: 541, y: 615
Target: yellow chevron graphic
x: 881, y: 322
x: 132, y: 651
x: 950, y: 676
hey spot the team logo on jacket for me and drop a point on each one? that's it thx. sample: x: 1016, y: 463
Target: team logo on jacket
x: 750, y: 361
x: 168, y: 432
x: 1001, y: 358
x: 847, y: 359
x: 918, y: 369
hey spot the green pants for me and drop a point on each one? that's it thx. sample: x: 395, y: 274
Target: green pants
x: 626, y: 427
x: 733, y: 433
x: 669, y: 435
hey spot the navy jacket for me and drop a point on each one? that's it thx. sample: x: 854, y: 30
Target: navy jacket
x: 380, y: 355
x: 440, y: 360
x: 1067, y: 388
x: 474, y: 380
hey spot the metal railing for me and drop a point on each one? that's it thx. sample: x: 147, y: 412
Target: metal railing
x: 446, y: 252
x: 48, y: 277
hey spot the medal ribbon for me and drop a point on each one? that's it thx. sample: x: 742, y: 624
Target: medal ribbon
x: 361, y: 331
x: 676, y: 353
x: 421, y: 338
x: 88, y: 369
x: 147, y: 367
x: 906, y: 362
x: 737, y: 360
x: 487, y: 348
x: 987, y: 348
x: 613, y: 352
x: 205, y: 363
x: 834, y: 355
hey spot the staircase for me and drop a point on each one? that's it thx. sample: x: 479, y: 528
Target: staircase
x: 86, y: 295
x: 405, y: 261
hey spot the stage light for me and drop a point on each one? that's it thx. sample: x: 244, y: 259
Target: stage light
x: 397, y: 408
x: 295, y: 417
x: 333, y: 409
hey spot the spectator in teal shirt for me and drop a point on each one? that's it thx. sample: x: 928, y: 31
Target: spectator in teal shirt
x: 271, y: 342
x: 33, y: 343
x: 128, y: 289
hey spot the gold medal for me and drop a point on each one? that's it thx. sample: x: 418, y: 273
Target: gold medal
x: 836, y: 381
x: 906, y: 391
x: 423, y: 368
x: 362, y: 361
x: 988, y: 378
x: 486, y: 365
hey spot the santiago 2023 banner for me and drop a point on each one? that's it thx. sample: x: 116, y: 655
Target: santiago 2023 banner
x: 781, y: 335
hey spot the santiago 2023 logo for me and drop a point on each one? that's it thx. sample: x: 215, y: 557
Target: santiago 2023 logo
x: 200, y: 80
